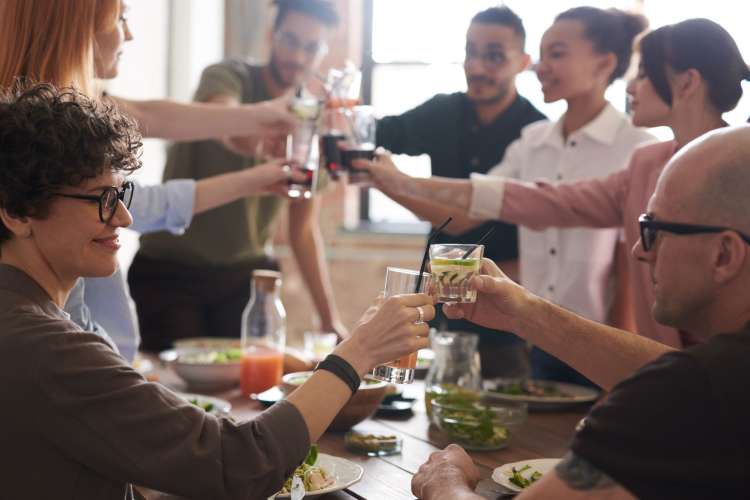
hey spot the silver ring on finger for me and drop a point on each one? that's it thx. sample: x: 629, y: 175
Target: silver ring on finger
x: 287, y: 172
x: 420, y: 320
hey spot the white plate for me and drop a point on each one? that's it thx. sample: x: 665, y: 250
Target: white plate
x: 221, y: 406
x: 575, y: 394
x: 344, y: 471
x: 501, y: 475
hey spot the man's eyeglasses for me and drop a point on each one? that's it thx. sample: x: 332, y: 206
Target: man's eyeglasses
x: 107, y: 200
x: 291, y: 43
x: 650, y: 228
x: 491, y: 59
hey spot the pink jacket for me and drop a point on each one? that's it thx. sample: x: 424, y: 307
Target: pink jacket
x: 613, y: 201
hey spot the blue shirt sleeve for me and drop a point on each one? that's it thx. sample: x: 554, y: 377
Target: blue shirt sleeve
x: 163, y: 207
x: 111, y: 307
x: 81, y: 315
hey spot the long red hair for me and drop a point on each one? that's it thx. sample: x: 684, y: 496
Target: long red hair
x: 53, y: 40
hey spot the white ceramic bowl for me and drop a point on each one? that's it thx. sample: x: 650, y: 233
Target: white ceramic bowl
x: 202, y: 376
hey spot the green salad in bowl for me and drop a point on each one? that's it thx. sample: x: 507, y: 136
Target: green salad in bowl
x: 213, y: 356
x: 473, y: 423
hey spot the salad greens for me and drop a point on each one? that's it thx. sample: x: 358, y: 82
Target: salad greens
x: 206, y: 405
x: 312, y: 455
x: 466, y: 421
x: 213, y: 357
x: 516, y: 477
x: 529, y: 388
x: 473, y: 426
x: 449, y: 394
x: 314, y: 478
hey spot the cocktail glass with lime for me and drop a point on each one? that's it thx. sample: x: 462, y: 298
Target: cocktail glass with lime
x: 453, y: 266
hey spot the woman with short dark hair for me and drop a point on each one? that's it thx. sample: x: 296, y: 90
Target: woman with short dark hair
x: 80, y: 422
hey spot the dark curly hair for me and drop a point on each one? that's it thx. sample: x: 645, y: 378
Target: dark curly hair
x: 51, y: 138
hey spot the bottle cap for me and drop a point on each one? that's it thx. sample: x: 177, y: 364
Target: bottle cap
x: 267, y: 279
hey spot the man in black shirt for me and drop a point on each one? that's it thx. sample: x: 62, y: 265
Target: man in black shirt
x: 675, y: 424
x: 468, y: 132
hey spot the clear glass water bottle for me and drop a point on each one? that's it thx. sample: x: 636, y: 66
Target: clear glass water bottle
x: 263, y: 334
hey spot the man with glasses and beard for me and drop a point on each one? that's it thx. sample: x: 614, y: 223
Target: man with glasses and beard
x: 674, y: 424
x: 467, y: 132
x: 197, y: 284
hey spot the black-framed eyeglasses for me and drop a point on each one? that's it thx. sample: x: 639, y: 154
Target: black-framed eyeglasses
x: 650, y: 227
x: 107, y: 200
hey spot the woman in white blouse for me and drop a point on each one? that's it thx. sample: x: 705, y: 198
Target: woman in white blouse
x: 582, y: 53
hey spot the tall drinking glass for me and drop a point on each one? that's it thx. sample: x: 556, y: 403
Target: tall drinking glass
x: 302, y: 145
x: 453, y: 266
x: 302, y: 155
x: 360, y: 142
x: 400, y: 281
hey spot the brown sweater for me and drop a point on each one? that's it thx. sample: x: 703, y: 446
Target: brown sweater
x: 78, y: 422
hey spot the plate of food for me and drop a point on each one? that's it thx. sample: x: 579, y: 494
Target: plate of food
x: 538, y: 394
x: 518, y: 476
x: 215, y: 406
x: 321, y: 473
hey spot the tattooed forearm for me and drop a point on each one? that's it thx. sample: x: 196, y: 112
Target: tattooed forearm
x: 579, y: 474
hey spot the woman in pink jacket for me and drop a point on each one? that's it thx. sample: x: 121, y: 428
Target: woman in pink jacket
x: 690, y: 74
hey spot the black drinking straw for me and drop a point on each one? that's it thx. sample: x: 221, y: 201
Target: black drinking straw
x: 481, y: 240
x: 427, y: 251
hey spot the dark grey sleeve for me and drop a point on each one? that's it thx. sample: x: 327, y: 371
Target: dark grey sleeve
x: 105, y: 415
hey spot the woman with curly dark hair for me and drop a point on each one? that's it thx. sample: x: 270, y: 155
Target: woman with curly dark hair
x: 78, y: 43
x: 90, y: 424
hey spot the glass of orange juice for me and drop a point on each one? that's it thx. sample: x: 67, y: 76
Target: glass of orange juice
x: 400, y: 281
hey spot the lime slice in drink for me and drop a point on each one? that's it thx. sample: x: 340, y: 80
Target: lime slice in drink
x: 455, y: 262
x: 306, y: 109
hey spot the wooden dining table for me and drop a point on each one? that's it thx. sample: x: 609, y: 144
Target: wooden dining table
x: 543, y: 435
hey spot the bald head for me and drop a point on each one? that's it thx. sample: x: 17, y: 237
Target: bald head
x: 709, y: 180
x: 702, y: 278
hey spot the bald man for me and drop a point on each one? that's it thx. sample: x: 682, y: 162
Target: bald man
x: 678, y: 425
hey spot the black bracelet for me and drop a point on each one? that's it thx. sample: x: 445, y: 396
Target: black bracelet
x: 342, y: 369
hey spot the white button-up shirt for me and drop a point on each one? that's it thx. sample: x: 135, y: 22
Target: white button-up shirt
x: 570, y: 267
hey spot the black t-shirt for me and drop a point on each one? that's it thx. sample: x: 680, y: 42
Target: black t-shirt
x: 447, y: 129
x: 679, y: 427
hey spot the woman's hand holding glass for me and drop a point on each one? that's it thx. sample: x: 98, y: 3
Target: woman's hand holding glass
x: 388, y: 330
x: 273, y: 177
